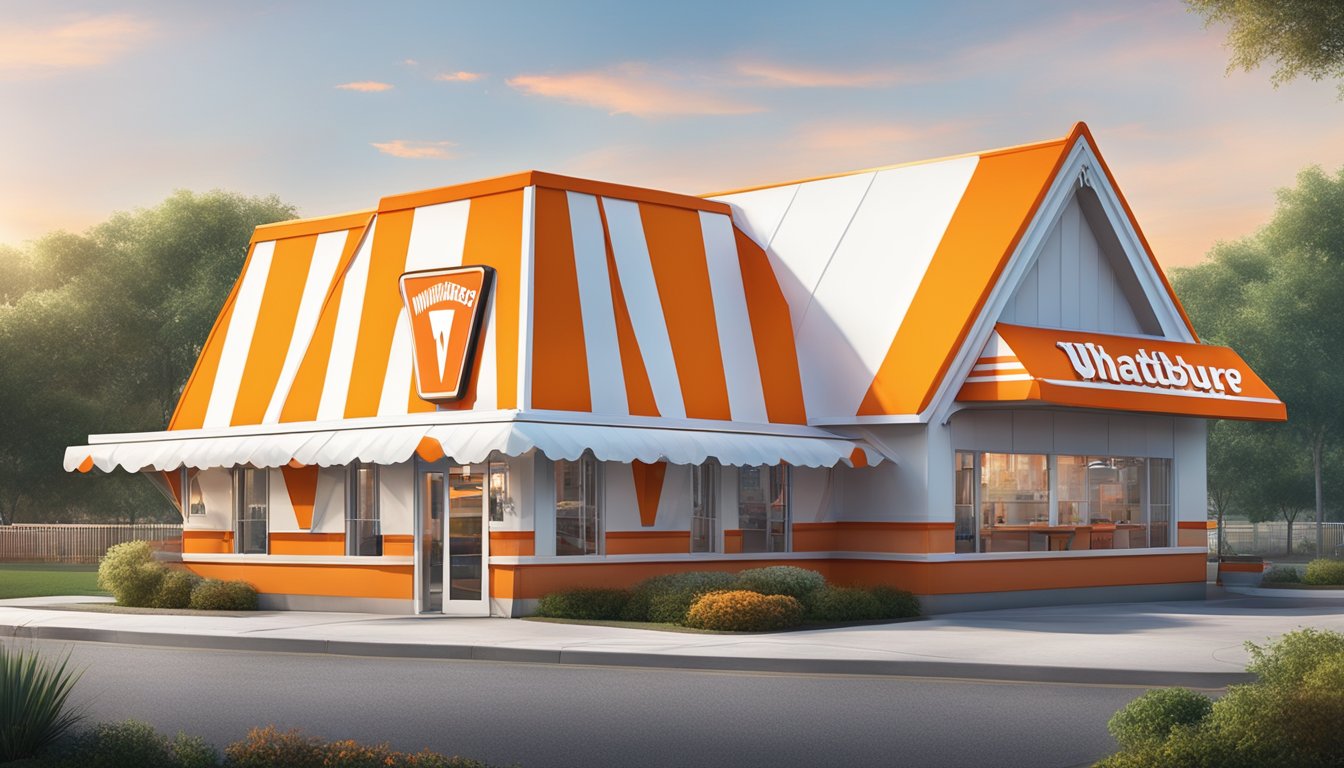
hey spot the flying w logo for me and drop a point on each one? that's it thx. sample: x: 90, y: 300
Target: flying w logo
x: 441, y: 327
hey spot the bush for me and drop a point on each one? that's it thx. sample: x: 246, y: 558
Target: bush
x: 1325, y: 571
x: 588, y: 604
x: 896, y: 603
x: 781, y: 580
x: 742, y: 611
x: 674, y: 593
x: 270, y: 747
x: 1150, y: 717
x: 1281, y: 574
x: 131, y: 574
x: 216, y: 595
x: 175, y: 589
x: 843, y: 604
x: 114, y: 745
x: 33, y: 698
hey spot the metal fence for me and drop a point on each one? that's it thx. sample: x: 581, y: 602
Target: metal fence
x: 1271, y: 539
x: 80, y: 543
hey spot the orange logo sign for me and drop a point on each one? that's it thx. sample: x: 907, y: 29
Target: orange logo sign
x: 445, y: 307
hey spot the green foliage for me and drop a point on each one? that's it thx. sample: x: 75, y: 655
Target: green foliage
x: 1301, y: 37
x: 216, y: 595
x: 896, y: 603
x: 1151, y: 716
x: 1289, y: 717
x: 34, y: 693
x: 270, y: 747
x: 585, y: 604
x: 842, y: 604
x: 133, y: 743
x: 743, y: 611
x: 128, y: 305
x: 781, y: 580
x: 673, y: 594
x: 131, y: 574
x: 1281, y: 574
x: 175, y: 589
x: 1326, y: 572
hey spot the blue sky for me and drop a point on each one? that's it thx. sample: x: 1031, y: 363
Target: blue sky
x: 111, y: 106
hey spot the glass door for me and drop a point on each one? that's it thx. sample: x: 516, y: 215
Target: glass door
x: 468, y: 592
x: 431, y: 503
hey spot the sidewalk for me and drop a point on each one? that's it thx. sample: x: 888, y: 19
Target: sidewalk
x: 1193, y: 643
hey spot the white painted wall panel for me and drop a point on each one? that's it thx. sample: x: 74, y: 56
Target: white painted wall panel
x: 1129, y: 435
x: 398, y: 375
x: 759, y: 213
x: 893, y: 490
x: 282, y: 518
x: 812, y: 498
x: 746, y: 396
x: 1082, y: 434
x: 326, y: 259
x: 646, y: 310
x: 217, y: 492
x: 329, y: 501
x: 438, y: 233
x: 349, y: 315
x: 620, y: 505
x: 861, y: 296
x: 238, y: 337
x: 1033, y: 432
x: 606, y: 380
x: 674, y: 505
x: 543, y: 504
x: 1190, y: 465
x: 396, y: 498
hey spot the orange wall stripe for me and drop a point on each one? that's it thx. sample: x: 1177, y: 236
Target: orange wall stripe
x: 307, y: 543
x: 772, y: 334
x: 389, y: 581
x: 382, y: 304
x: 559, y: 353
x: 638, y: 390
x: 495, y: 239
x: 513, y: 543
x: 648, y: 488
x: 648, y: 542
x: 306, y: 392
x: 677, y: 255
x: 207, y: 542
x: 1202, y: 525
x: 191, y: 406
x: 999, y: 203
x: 301, y: 482
x: 275, y: 327
x: 174, y: 480
x: 400, y: 544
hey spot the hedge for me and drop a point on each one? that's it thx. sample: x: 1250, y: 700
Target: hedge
x: 216, y: 595
x: 1325, y: 572
x: 667, y: 598
x: 584, y: 604
x: 781, y: 580
x: 742, y: 611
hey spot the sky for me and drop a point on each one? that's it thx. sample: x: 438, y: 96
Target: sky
x: 113, y: 106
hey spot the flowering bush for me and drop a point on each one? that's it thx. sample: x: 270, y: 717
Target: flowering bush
x: 216, y: 595
x: 270, y: 747
x: 667, y: 598
x: 742, y: 611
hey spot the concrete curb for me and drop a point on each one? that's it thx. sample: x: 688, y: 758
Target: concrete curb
x: 457, y: 652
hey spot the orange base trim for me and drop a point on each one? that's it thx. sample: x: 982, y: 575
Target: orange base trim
x: 401, y: 544
x: 732, y: 542
x: 1199, y: 525
x: 941, y: 578
x: 871, y: 536
x: 307, y: 543
x: 207, y: 542
x: 1242, y: 567
x: 513, y: 543
x: 648, y: 542
x: 390, y: 581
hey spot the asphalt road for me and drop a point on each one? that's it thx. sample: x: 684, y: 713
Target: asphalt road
x: 543, y: 716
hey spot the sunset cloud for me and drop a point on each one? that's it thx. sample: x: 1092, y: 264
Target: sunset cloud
x: 457, y: 77
x: 416, y: 150
x: 83, y: 42
x: 635, y: 89
x: 784, y: 76
x: 366, y: 86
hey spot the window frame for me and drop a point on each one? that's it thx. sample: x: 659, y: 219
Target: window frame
x: 243, y: 488
x: 353, y: 497
x: 705, y: 483
x: 780, y: 475
x: 590, y: 485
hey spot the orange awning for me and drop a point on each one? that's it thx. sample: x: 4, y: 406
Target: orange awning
x: 1121, y: 373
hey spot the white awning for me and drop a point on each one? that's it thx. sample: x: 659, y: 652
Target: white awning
x: 469, y: 438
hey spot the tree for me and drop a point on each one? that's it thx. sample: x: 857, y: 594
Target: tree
x: 99, y: 332
x: 1302, y: 37
x: 1276, y: 297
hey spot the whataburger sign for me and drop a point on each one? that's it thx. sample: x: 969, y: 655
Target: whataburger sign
x: 446, y: 308
x: 1094, y: 370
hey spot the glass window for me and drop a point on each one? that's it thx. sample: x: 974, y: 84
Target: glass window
x: 965, y: 502
x: 499, y: 490
x: 363, y: 529
x: 763, y: 508
x: 466, y: 532
x: 577, y: 517
x: 1159, y: 503
x: 249, y: 511
x: 195, y: 498
x: 704, y: 507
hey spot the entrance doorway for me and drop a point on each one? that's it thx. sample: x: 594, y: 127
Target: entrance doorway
x: 450, y: 564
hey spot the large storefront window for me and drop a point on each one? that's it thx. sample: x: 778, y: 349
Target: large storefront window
x: 763, y: 508
x: 704, y: 507
x: 363, y: 529
x: 250, y: 511
x: 1040, y: 502
x: 577, y: 518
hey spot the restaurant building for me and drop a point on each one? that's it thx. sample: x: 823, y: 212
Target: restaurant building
x: 967, y: 377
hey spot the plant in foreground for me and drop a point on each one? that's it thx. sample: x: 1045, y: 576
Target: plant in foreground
x: 34, y: 693
x: 131, y: 574
x: 742, y: 611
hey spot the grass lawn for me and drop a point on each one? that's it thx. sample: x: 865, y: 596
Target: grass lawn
x: 42, y: 579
